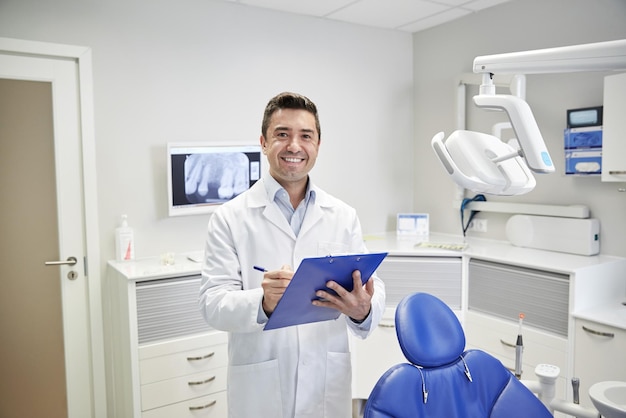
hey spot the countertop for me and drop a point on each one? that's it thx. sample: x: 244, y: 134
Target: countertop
x: 611, y: 312
x: 435, y: 244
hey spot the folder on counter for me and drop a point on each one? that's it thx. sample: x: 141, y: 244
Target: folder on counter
x: 295, y: 307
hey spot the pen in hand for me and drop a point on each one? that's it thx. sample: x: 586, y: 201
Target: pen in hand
x: 260, y: 269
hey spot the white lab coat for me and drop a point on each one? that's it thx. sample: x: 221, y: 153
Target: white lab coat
x: 294, y: 372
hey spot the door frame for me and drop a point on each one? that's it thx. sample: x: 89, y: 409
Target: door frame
x: 82, y: 57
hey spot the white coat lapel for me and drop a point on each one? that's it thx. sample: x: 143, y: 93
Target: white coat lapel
x: 274, y: 215
x: 315, y: 212
x: 258, y: 198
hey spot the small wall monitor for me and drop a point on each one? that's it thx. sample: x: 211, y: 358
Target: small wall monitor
x: 202, y: 176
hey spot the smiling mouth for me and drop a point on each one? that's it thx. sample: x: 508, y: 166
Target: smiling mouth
x: 293, y: 159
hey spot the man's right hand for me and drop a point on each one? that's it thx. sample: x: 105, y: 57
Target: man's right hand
x: 274, y: 284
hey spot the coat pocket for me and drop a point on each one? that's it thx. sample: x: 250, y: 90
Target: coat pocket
x: 254, y: 391
x: 338, y: 398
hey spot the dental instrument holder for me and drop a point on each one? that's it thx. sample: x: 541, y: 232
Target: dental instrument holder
x: 519, y: 348
x: 545, y: 388
x: 576, y: 389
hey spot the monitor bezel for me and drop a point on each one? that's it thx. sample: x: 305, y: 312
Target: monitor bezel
x: 175, y: 148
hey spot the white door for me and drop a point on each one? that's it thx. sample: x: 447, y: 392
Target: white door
x: 48, y: 311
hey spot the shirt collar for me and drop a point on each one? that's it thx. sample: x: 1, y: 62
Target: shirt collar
x: 272, y: 188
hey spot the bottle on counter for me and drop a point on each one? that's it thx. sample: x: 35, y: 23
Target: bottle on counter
x: 124, y: 241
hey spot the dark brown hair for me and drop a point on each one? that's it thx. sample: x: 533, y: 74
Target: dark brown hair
x: 287, y: 100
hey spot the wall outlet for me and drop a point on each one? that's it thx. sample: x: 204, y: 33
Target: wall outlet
x: 478, y: 225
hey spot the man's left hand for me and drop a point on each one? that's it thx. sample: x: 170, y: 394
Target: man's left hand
x: 355, y: 304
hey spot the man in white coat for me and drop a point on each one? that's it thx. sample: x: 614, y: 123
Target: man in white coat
x: 301, y: 371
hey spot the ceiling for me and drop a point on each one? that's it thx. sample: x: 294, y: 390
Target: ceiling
x: 404, y: 15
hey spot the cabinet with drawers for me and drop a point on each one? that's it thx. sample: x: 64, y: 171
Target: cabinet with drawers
x: 163, y: 359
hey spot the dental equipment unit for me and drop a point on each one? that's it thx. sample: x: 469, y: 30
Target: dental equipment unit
x: 545, y: 386
x: 483, y: 163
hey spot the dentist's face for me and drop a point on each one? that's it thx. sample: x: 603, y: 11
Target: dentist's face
x: 291, y: 144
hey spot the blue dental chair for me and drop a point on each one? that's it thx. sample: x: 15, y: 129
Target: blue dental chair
x: 442, y: 380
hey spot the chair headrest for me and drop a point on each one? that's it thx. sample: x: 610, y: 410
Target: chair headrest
x: 429, y: 332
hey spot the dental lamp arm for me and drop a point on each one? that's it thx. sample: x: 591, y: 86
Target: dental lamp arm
x: 523, y: 122
x: 599, y: 56
x: 503, y: 172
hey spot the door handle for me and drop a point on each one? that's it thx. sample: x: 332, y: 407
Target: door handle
x: 69, y: 262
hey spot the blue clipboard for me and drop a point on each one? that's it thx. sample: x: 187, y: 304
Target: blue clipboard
x: 295, y: 307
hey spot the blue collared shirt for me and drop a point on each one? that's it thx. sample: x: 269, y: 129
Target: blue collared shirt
x: 278, y: 194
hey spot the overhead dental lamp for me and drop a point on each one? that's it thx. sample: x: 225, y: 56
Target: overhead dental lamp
x: 483, y: 163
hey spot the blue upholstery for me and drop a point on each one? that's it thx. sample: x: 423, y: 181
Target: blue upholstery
x: 449, y: 383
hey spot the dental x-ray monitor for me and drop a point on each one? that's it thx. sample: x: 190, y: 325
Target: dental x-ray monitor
x: 483, y: 163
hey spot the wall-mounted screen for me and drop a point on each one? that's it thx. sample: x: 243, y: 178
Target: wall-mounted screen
x: 204, y: 175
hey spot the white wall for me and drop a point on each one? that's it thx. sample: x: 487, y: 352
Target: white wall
x: 203, y: 70
x: 443, y: 53
x: 200, y: 70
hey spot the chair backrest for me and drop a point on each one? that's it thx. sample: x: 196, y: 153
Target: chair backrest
x: 441, y: 380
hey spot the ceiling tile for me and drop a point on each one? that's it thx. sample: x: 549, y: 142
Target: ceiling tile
x: 435, y: 20
x: 386, y: 13
x: 305, y: 7
x: 405, y: 15
x: 482, y: 4
x: 455, y: 3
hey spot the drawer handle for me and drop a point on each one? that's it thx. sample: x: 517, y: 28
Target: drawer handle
x: 617, y: 172
x: 383, y: 325
x: 201, y: 382
x: 504, y: 343
x: 600, y: 333
x: 201, y: 357
x: 197, y: 408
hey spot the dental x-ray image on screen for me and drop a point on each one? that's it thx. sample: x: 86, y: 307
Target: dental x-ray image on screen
x: 204, y: 175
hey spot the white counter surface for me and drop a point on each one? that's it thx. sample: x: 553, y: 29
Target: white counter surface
x: 151, y: 268
x: 611, y: 313
x: 604, y: 307
x: 440, y: 245
x: 485, y: 249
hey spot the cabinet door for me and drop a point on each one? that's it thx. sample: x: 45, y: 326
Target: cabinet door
x: 374, y: 356
x: 599, y: 352
x: 505, y: 291
x: 614, y: 130
x: 168, y: 308
x: 439, y: 276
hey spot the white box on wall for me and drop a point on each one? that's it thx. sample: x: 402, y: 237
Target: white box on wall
x: 412, y: 224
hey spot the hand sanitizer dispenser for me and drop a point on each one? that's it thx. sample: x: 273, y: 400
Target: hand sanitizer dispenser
x: 124, y: 241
